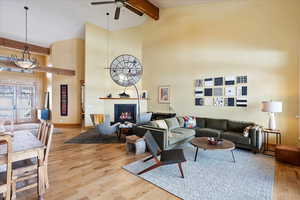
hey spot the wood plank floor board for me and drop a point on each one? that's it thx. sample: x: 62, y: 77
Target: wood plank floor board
x: 93, y: 172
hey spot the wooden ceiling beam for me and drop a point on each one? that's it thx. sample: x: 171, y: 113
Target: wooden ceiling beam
x: 146, y: 7
x: 54, y: 70
x: 8, y: 43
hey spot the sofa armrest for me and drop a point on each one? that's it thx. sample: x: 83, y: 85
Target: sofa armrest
x: 256, y: 136
x: 160, y: 135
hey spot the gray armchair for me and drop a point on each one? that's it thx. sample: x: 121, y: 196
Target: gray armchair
x: 105, y: 128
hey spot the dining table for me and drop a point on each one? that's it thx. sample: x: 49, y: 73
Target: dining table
x: 26, y: 146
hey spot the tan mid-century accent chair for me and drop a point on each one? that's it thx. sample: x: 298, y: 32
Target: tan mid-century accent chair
x: 6, y: 177
x: 97, y: 119
x: 27, y: 170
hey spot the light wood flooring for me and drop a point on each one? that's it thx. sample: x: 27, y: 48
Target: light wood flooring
x: 93, y: 171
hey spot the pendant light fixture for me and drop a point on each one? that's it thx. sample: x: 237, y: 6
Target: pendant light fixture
x: 25, y: 61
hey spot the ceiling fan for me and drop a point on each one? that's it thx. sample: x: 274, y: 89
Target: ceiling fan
x: 119, y: 4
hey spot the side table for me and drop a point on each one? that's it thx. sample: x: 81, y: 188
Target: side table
x: 266, y: 132
x: 135, y: 144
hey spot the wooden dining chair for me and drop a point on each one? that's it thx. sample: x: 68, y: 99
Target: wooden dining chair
x: 27, y: 170
x: 6, y: 177
x: 167, y: 157
x: 41, y: 129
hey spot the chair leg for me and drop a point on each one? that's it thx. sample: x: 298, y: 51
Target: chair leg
x: 149, y: 169
x: 147, y: 159
x: 181, y: 171
x: 14, y: 189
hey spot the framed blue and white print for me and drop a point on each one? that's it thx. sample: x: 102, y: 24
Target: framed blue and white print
x: 208, y: 82
x: 218, y: 91
x: 241, y: 79
x: 230, y: 91
x: 199, y: 102
x: 199, y: 92
x: 229, y: 80
x: 219, y: 81
x: 242, y: 91
x: 229, y: 102
x: 199, y: 83
x: 218, y: 101
x: 208, y: 101
x: 241, y: 102
x: 208, y: 92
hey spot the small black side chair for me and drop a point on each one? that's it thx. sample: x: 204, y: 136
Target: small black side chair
x: 167, y: 157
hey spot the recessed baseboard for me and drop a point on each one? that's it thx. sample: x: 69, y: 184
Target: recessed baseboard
x: 66, y: 125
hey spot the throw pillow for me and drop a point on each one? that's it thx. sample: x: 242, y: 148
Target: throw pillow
x: 172, y: 123
x: 248, y: 128
x: 162, y: 124
x: 189, y: 122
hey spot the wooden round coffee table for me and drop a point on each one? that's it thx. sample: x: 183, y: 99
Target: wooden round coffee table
x: 202, y: 143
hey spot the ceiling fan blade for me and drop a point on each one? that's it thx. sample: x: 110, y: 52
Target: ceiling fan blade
x: 117, y: 13
x: 102, y: 2
x: 132, y: 9
x: 55, y: 70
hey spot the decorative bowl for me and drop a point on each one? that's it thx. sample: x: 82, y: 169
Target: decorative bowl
x: 214, y: 141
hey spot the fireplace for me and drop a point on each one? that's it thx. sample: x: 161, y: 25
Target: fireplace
x: 125, y: 112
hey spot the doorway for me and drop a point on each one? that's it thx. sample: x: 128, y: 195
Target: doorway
x: 18, y: 102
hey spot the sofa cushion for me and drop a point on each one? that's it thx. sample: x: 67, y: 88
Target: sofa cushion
x: 236, y: 137
x: 219, y: 124
x: 200, y: 122
x: 161, y: 124
x: 185, y: 131
x: 154, y: 124
x: 237, y: 126
x: 172, y: 123
x: 180, y: 121
x: 207, y: 132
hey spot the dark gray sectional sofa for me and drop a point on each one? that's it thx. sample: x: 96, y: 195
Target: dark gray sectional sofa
x: 230, y: 130
x: 175, y: 134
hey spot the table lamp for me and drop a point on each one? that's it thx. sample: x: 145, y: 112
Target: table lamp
x: 272, y: 107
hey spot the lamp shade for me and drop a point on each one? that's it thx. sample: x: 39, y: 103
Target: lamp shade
x: 271, y: 106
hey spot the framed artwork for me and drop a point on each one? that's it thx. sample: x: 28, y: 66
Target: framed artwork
x: 164, y: 94
x: 64, y: 100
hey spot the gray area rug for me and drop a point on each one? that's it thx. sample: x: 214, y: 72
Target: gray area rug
x: 214, y: 176
x: 91, y: 136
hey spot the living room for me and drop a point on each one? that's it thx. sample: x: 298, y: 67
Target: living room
x: 198, y: 76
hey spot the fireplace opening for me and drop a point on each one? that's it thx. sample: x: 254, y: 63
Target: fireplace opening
x: 125, y: 113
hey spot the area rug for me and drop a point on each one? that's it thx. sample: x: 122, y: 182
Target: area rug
x: 91, y: 136
x: 214, y: 176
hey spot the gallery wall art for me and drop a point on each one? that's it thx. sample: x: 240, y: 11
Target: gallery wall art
x: 219, y: 91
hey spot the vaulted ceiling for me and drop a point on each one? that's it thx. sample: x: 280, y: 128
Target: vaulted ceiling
x: 54, y: 20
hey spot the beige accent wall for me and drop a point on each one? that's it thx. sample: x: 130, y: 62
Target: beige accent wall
x: 67, y: 54
x: 257, y: 38
x: 97, y: 79
x: 37, y: 77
